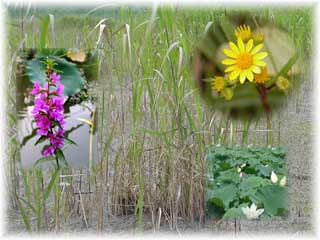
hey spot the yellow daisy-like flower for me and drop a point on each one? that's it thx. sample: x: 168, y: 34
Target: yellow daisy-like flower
x: 283, y: 83
x: 262, y: 76
x: 244, y: 60
x: 227, y: 93
x: 218, y: 83
x: 258, y: 38
x: 243, y: 32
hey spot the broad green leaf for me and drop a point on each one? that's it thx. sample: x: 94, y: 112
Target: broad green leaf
x: 279, y: 152
x: 251, y: 182
x: 274, y: 198
x: 70, y: 75
x: 264, y: 170
x: 234, y: 212
x: 223, y: 196
x: 230, y: 175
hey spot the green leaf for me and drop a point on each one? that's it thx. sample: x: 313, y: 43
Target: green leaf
x: 40, y: 140
x: 24, y: 216
x: 279, y: 152
x: 251, y: 182
x: 234, y: 212
x: 70, y: 75
x: 28, y: 204
x: 70, y: 141
x: 223, y: 196
x: 264, y: 170
x: 43, y: 159
x: 61, y: 156
x: 273, y: 198
x: 51, y: 184
x: 230, y: 175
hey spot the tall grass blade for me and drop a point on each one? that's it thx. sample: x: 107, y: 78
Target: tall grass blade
x: 51, y: 184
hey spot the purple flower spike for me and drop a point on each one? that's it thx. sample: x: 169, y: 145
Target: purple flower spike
x: 36, y: 88
x: 60, y: 89
x: 55, y: 78
x: 48, y: 112
x: 48, y: 151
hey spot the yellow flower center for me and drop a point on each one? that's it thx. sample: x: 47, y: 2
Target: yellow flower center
x: 244, y: 61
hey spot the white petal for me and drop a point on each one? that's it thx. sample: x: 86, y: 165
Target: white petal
x: 253, y: 207
x: 274, y: 178
x: 245, y: 210
x: 283, y: 181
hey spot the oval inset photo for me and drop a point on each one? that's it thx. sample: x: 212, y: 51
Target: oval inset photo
x: 245, y: 66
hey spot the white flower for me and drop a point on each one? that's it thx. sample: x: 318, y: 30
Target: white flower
x: 283, y: 181
x: 241, y: 174
x: 274, y: 178
x: 252, y: 212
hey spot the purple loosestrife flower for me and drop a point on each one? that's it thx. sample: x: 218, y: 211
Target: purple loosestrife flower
x: 49, y: 151
x: 36, y: 88
x: 48, y: 112
x: 55, y: 78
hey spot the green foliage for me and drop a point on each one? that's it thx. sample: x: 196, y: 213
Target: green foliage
x: 229, y: 191
x: 70, y: 76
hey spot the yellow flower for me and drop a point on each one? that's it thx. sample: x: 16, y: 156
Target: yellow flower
x: 243, y: 32
x: 244, y: 60
x: 227, y: 93
x: 262, y: 76
x: 283, y: 83
x: 218, y: 83
x: 258, y: 38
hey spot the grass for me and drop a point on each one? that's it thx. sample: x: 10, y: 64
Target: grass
x: 153, y: 126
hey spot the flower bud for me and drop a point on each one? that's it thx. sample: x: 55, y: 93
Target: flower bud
x: 227, y: 93
x: 283, y: 83
x: 283, y: 181
x: 274, y: 178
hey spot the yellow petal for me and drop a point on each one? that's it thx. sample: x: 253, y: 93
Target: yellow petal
x: 256, y: 49
x: 259, y: 56
x: 234, y: 48
x: 231, y: 68
x: 242, y: 77
x: 228, y: 61
x: 234, y: 75
x: 249, y: 45
x: 240, y: 45
x: 229, y: 53
x: 249, y: 75
x: 255, y: 69
x: 259, y: 63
